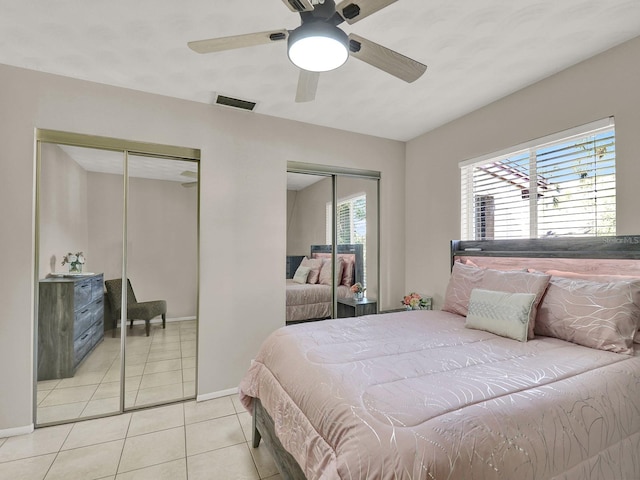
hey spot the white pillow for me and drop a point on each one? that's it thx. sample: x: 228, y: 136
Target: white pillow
x: 503, y: 313
x: 301, y: 274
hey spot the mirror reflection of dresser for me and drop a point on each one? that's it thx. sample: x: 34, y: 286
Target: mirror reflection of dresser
x: 70, y: 323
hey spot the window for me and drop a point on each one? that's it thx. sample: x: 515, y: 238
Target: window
x: 351, y: 220
x: 562, y: 185
x: 351, y: 223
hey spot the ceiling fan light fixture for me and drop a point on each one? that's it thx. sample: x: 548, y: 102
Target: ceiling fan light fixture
x: 318, y: 47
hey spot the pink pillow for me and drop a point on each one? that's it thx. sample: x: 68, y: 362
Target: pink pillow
x: 465, y: 278
x: 591, y: 276
x: 348, y: 276
x: 325, y: 273
x: 598, y: 315
x: 315, y: 264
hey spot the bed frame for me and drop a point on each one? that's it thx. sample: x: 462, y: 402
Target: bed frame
x: 613, y: 254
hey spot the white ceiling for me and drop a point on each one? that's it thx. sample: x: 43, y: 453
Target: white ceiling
x: 477, y: 52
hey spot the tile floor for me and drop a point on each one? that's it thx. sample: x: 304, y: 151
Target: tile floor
x: 159, y: 368
x: 188, y: 440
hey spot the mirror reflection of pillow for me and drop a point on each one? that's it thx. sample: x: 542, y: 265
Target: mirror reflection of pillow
x: 301, y: 274
x: 315, y: 264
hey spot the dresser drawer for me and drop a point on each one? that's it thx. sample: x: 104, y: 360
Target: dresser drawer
x: 82, y: 293
x: 97, y: 288
x: 81, y: 346
x: 83, y: 320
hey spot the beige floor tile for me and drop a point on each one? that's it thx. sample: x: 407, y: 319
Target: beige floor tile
x: 156, y: 419
x: 92, y: 462
x: 136, y: 358
x: 34, y: 468
x: 58, y: 413
x: 275, y: 477
x: 233, y: 462
x: 81, y: 379
x: 60, y: 396
x: 165, y: 393
x: 2, y: 440
x: 176, y: 470
x: 101, y: 407
x: 159, y: 356
x: 189, y: 389
x: 237, y: 404
x: 160, y: 379
x: 107, y: 390
x: 189, y: 362
x: 153, y: 448
x: 189, y: 374
x: 246, y: 421
x: 213, y: 434
x: 264, y: 461
x: 163, y: 366
x: 101, y: 430
x: 201, y: 411
x: 165, y: 343
x: 133, y: 370
x: 41, y: 395
x: 48, y: 384
x: 41, y: 442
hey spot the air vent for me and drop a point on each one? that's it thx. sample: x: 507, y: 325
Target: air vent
x: 235, y: 103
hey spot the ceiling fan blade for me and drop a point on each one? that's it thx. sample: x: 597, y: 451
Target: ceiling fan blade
x: 385, y: 59
x: 307, y: 86
x: 355, y: 10
x: 299, y: 5
x: 237, y: 41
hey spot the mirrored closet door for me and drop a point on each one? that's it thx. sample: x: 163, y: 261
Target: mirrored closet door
x: 326, y: 208
x: 116, y: 276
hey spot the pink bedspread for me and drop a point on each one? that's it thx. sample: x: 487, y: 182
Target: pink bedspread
x: 415, y: 395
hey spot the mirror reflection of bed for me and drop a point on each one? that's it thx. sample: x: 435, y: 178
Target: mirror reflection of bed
x: 310, y: 298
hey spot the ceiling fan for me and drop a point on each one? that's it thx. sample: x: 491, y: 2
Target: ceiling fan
x: 318, y: 45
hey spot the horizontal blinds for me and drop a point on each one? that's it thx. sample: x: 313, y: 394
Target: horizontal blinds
x: 566, y: 187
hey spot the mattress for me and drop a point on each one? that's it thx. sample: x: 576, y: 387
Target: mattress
x: 416, y: 395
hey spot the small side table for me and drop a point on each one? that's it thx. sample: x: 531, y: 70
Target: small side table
x: 350, y: 307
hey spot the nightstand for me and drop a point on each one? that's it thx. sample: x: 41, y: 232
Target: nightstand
x: 350, y: 307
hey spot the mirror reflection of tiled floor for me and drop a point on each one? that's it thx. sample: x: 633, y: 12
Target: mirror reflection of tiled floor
x: 159, y: 368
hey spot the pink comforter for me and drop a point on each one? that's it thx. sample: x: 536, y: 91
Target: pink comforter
x: 415, y: 395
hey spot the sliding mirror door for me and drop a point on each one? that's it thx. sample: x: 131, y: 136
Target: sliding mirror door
x: 309, y: 295
x: 325, y: 209
x: 116, y: 275
x: 80, y: 205
x: 162, y: 271
x: 357, y: 241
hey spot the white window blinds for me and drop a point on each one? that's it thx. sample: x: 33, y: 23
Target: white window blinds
x: 562, y: 185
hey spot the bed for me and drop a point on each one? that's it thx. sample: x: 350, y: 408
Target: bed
x: 420, y: 395
x: 312, y: 300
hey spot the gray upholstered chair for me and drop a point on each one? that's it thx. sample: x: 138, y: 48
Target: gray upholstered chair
x: 135, y: 310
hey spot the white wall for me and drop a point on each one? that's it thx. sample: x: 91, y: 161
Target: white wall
x: 63, y: 215
x: 242, y: 219
x: 605, y: 85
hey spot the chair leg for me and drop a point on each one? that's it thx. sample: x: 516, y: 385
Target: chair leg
x: 147, y: 326
x: 131, y: 326
x: 164, y: 320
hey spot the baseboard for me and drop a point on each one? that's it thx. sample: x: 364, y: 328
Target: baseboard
x: 14, y: 432
x: 222, y: 393
x: 177, y: 319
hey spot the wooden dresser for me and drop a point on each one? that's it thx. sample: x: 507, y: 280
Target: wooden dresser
x: 70, y: 323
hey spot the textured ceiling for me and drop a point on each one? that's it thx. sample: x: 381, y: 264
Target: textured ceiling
x: 477, y: 52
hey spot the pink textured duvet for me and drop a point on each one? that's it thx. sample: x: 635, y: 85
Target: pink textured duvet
x: 415, y: 395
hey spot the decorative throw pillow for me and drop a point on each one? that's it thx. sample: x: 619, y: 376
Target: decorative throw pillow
x: 349, y: 273
x: 301, y: 274
x: 598, y: 315
x: 315, y: 264
x: 465, y: 278
x: 325, y: 272
x: 503, y: 313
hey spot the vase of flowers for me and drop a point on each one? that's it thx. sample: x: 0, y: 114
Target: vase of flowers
x: 415, y: 301
x: 75, y: 261
x: 358, y: 291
